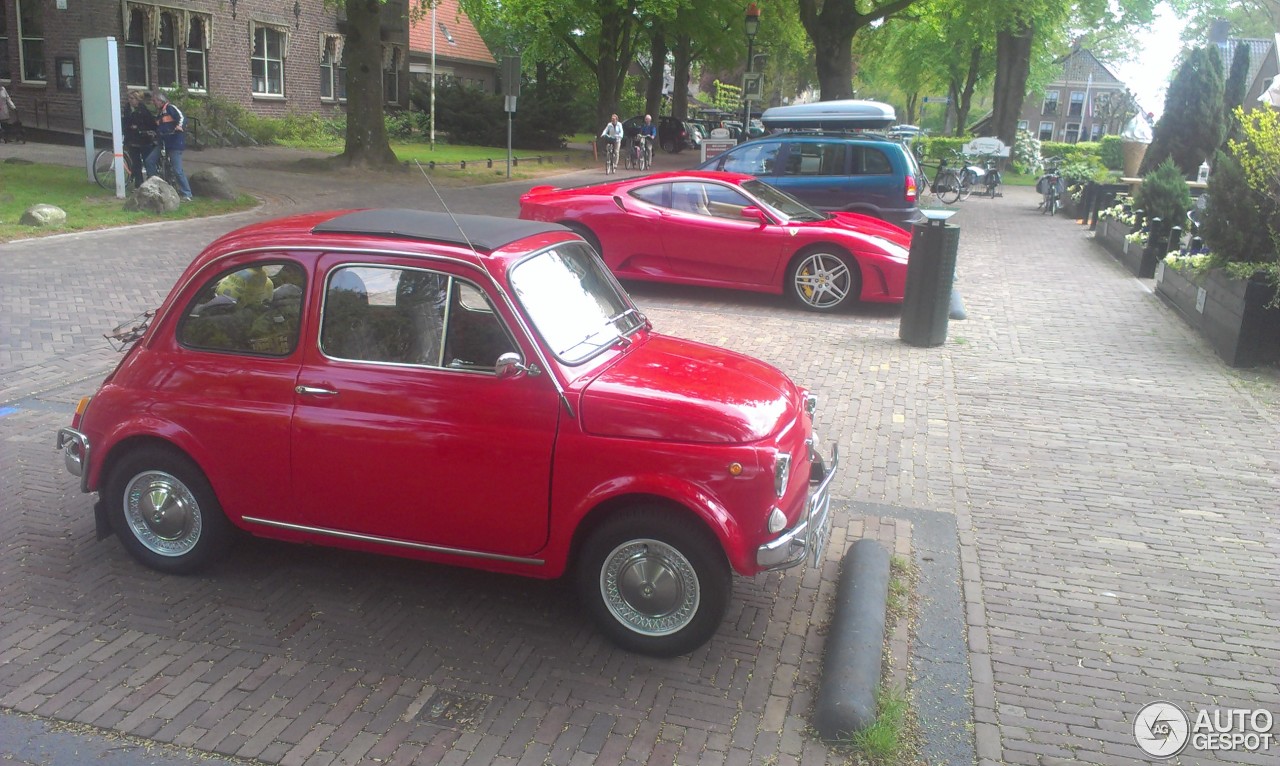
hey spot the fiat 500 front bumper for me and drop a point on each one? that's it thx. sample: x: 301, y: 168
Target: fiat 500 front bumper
x: 808, y: 538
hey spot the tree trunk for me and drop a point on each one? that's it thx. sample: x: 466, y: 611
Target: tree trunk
x: 912, y: 100
x: 1013, y: 66
x: 657, y: 69
x: 613, y: 57
x: 681, y: 63
x: 832, y: 29
x: 964, y: 95
x: 366, y: 142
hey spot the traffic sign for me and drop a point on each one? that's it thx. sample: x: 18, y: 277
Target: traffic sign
x: 937, y: 99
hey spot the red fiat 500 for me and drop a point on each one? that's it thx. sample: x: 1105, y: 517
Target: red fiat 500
x: 475, y: 391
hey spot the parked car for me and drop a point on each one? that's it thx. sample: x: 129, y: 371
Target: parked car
x: 473, y: 391
x: 673, y: 135
x: 865, y: 173
x: 730, y: 230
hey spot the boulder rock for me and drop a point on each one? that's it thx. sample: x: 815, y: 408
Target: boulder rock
x: 43, y: 215
x: 154, y: 196
x: 212, y: 183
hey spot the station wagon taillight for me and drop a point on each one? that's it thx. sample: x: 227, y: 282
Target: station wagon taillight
x: 911, y: 188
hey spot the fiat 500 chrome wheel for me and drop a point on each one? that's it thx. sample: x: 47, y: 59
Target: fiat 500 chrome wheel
x: 162, y: 513
x: 822, y: 280
x: 650, y: 587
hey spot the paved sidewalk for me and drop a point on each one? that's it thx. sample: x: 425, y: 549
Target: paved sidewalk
x: 1115, y: 488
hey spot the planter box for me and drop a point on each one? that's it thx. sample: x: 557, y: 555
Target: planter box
x: 1111, y: 235
x: 1229, y: 313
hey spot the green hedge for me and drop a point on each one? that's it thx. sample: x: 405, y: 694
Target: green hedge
x: 1106, y: 153
x: 1111, y: 153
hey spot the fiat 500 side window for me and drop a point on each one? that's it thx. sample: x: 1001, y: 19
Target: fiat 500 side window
x: 410, y: 316
x: 253, y: 310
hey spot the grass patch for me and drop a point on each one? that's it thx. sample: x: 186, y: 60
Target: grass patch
x: 88, y: 206
x: 885, y: 742
x: 478, y: 158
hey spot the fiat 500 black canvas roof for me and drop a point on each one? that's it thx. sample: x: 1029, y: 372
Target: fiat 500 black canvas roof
x: 480, y: 231
x: 850, y: 114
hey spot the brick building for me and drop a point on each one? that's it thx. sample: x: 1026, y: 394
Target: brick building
x: 460, y: 54
x: 270, y: 57
x: 1072, y: 103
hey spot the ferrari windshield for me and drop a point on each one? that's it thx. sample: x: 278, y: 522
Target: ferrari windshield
x: 573, y: 302
x: 781, y: 203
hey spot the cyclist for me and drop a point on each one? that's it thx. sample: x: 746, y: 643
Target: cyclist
x: 169, y: 125
x: 139, y: 137
x: 648, y: 137
x: 612, y: 133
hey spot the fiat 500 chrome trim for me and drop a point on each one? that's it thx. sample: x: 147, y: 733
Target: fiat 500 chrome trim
x: 809, y: 535
x: 76, y: 457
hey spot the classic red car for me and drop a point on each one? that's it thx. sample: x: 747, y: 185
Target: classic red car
x: 474, y: 391
x: 730, y: 230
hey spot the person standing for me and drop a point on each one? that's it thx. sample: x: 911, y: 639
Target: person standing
x: 139, y: 137
x: 170, y: 126
x: 8, y: 110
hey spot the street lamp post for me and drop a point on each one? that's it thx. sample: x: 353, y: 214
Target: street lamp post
x: 752, y: 25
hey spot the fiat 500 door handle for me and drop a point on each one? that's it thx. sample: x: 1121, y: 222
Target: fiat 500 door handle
x: 315, y: 391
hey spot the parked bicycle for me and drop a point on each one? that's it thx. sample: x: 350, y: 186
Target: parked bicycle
x: 948, y: 184
x: 631, y: 158
x: 104, y: 169
x: 993, y: 179
x: 1051, y: 186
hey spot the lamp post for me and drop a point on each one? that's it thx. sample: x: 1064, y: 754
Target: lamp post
x: 752, y: 25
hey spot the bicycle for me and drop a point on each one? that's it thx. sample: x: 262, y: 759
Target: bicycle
x: 611, y: 147
x: 1051, y: 186
x: 993, y: 179
x: 631, y: 157
x: 646, y: 152
x: 946, y: 183
x: 104, y: 169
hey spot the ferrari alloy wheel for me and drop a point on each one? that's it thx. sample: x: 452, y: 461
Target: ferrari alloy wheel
x: 823, y: 280
x: 164, y: 511
x: 656, y: 583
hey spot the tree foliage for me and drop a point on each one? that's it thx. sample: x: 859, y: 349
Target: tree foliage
x: 1191, y: 128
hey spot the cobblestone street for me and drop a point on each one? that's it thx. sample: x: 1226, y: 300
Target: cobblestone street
x: 1114, y: 487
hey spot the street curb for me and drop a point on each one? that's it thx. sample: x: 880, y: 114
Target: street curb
x: 855, y: 644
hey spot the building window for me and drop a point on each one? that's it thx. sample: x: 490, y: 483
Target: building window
x: 391, y: 75
x: 268, y: 62
x: 1046, y: 131
x: 1051, y: 102
x: 135, y: 50
x: 167, y: 52
x: 31, y: 40
x: 1097, y: 131
x: 1072, y: 133
x: 333, y: 75
x: 1077, y: 104
x: 5, y: 74
x: 1023, y: 125
x: 198, y: 54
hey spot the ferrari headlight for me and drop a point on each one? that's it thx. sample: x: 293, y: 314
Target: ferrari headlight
x: 781, y: 472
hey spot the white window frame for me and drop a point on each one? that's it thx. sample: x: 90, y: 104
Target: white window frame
x: 169, y: 53
x: 1068, y: 129
x: 266, y: 61
x: 131, y: 46
x: 5, y: 74
x: 1096, y: 131
x: 1051, y: 125
x: 23, y: 39
x: 1055, y: 100
x: 332, y: 71
x: 1024, y: 125
x: 201, y: 53
x: 1076, y: 107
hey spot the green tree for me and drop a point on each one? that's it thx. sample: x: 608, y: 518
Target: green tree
x: 1192, y: 125
x: 831, y: 25
x: 1233, y: 91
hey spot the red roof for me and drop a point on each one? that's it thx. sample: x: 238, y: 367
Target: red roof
x: 456, y: 36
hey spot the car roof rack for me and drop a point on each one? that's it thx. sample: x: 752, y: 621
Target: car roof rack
x: 847, y: 114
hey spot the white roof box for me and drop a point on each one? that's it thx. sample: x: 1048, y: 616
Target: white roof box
x: 850, y: 114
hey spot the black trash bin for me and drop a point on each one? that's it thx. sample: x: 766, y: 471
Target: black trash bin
x: 931, y: 268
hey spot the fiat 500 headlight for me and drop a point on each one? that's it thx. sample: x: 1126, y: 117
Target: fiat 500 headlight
x: 781, y: 472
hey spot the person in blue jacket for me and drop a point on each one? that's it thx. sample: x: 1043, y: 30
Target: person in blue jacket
x: 170, y: 124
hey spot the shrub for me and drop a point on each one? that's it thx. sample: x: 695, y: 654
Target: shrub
x: 1164, y: 195
x: 1111, y: 154
x: 1026, y: 153
x: 1192, y: 125
x: 474, y: 116
x: 1238, y: 222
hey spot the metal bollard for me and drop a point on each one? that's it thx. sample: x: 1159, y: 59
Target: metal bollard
x: 931, y: 267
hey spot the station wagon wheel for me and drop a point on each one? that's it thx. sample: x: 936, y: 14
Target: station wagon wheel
x: 823, y: 279
x: 164, y: 511
x: 655, y: 583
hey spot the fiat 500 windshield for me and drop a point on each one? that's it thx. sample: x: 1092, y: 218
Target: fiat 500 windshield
x: 573, y: 302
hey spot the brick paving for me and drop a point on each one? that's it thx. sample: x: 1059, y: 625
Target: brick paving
x: 1115, y: 489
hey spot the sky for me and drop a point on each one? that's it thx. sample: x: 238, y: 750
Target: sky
x: 1147, y: 75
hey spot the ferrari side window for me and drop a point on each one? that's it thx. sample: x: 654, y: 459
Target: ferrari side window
x: 723, y: 202
x: 657, y: 194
